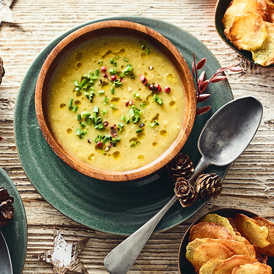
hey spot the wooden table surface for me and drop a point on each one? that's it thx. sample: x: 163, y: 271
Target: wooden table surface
x: 249, y: 183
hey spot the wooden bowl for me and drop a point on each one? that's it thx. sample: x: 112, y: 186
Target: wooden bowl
x: 126, y: 29
x: 185, y: 267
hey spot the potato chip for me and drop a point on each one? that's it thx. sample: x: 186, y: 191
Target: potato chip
x: 252, y: 231
x: 205, y: 252
x: 237, y: 248
x: 238, y: 7
x: 248, y: 31
x: 210, y: 266
x: 255, y: 268
x: 264, y: 55
x: 232, y: 223
x: 209, y: 230
x: 268, y: 8
x: 219, y: 220
x: 269, y: 250
x: 228, y: 265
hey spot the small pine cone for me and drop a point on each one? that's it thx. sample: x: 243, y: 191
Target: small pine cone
x: 208, y: 186
x: 185, y: 192
x: 2, y: 70
x: 180, y: 166
x: 6, y: 207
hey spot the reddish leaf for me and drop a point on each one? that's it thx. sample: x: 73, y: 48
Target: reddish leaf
x: 203, y: 86
x: 221, y: 70
x: 201, y: 78
x: 201, y: 63
x: 193, y: 68
x: 216, y: 79
x: 202, y: 97
x: 236, y: 69
x: 202, y: 110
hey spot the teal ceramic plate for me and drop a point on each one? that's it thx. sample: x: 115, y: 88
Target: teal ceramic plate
x: 113, y: 207
x: 15, y: 232
x: 185, y: 266
x: 220, y: 10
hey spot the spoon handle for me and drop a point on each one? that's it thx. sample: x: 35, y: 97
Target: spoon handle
x: 122, y: 257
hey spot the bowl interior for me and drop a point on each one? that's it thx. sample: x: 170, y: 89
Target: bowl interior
x: 114, y: 28
x: 220, y: 10
x: 185, y: 266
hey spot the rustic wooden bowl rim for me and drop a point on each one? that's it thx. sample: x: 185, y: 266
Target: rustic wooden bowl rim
x: 167, y: 155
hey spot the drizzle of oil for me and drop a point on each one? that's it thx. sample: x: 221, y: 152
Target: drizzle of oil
x: 116, y: 155
x: 91, y: 157
x: 78, y: 56
x: 163, y: 133
x: 69, y: 130
x: 62, y: 105
x: 154, y: 144
x: 141, y: 157
x: 170, y: 77
x: 172, y: 103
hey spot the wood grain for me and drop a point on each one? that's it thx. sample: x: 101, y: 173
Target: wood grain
x: 249, y: 183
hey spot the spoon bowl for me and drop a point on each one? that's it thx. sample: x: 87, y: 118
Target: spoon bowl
x: 235, y: 127
x: 223, y: 138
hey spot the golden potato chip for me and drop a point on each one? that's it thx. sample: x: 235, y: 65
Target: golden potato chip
x: 237, y: 248
x: 238, y: 7
x: 247, y: 31
x: 228, y: 265
x: 210, y: 266
x: 269, y: 250
x: 209, y: 230
x: 268, y: 8
x: 197, y: 242
x: 205, y: 252
x: 264, y: 55
x: 252, y: 231
x: 255, y: 268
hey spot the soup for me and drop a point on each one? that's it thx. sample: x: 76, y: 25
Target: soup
x: 116, y: 103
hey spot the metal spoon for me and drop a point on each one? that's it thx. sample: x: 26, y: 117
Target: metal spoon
x: 5, y: 260
x: 223, y: 138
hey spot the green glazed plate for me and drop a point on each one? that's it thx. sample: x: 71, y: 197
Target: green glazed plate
x: 15, y: 232
x: 113, y: 207
x: 220, y: 10
x: 185, y: 266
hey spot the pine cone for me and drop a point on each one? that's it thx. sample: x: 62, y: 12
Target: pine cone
x: 2, y: 70
x: 180, y: 166
x: 185, y: 192
x: 208, y: 185
x: 6, y: 207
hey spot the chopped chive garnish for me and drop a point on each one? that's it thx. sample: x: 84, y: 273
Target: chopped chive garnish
x: 85, y: 114
x: 139, y: 130
x: 113, y: 71
x: 82, y: 125
x: 113, y: 106
x: 96, y: 73
x: 75, y: 108
x: 143, y: 47
x: 157, y: 99
x: 70, y: 103
x: 101, y: 92
x: 127, y: 70
x: 136, y: 95
x: 96, y: 109
x: 134, y: 143
x: 121, y: 125
x: 76, y: 84
x: 135, y: 119
x: 104, y: 111
x: 132, y: 76
x: 128, y: 120
x: 148, y: 51
x: 106, y: 100
x: 100, y: 62
x: 142, y: 105
x: 79, y: 117
x: 81, y: 133
x: 118, y: 83
x: 112, y: 90
x: 123, y: 118
x: 125, y: 59
x: 113, y: 62
x: 98, y: 138
x: 154, y: 123
x: 88, y: 121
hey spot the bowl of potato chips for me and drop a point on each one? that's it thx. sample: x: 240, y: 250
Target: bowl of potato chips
x: 228, y: 241
x: 247, y: 26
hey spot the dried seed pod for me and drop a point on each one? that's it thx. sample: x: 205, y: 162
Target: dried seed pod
x: 185, y: 192
x: 6, y: 207
x: 180, y: 166
x: 208, y: 186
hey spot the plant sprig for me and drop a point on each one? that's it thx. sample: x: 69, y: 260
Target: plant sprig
x: 202, y: 83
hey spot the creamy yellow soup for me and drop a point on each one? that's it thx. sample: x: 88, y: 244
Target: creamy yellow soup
x: 116, y: 123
